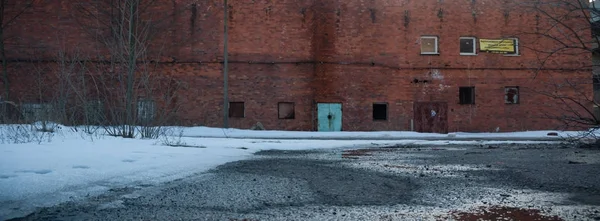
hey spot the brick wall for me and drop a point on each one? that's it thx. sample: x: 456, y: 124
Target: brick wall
x: 353, y: 52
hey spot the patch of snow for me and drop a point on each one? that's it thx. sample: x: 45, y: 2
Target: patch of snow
x: 409, y: 169
x: 377, y: 135
x: 117, y: 204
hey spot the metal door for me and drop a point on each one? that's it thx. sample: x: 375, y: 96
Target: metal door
x: 431, y: 117
x: 329, y: 116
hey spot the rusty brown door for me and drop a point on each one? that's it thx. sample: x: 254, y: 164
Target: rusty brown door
x: 431, y: 117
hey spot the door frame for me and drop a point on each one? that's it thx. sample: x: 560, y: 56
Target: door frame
x: 416, y: 112
x: 317, y: 115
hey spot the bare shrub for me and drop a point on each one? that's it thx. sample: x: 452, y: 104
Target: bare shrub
x: 172, y: 137
x: 23, y: 133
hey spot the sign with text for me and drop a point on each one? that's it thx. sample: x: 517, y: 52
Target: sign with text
x: 497, y: 45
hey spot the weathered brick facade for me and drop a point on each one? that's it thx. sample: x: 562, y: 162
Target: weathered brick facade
x: 353, y: 52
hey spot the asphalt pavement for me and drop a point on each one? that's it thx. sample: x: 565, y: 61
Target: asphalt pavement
x: 514, y: 182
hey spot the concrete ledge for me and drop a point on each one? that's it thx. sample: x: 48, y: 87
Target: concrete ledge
x: 393, y: 138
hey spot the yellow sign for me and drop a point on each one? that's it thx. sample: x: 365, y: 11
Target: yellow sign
x: 497, y: 45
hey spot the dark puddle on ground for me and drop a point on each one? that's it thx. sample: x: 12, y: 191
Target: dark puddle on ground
x: 349, y: 153
x: 288, y: 152
x: 587, y: 198
x: 357, y: 153
x: 503, y: 213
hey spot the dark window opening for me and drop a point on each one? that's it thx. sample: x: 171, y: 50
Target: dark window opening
x: 466, y: 95
x: 511, y: 95
x: 380, y: 111
x: 286, y: 110
x: 467, y: 46
x: 236, y: 109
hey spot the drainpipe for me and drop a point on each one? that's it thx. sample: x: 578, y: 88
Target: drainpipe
x: 225, y: 67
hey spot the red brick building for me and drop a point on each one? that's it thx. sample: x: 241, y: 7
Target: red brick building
x: 314, y: 64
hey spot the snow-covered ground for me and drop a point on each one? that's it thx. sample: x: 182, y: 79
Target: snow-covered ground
x: 71, y: 166
x: 376, y: 135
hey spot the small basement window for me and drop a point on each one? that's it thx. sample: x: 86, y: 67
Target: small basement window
x: 429, y: 45
x: 286, y: 110
x: 466, y: 95
x: 236, y: 109
x: 380, y: 111
x: 468, y: 46
x: 511, y: 95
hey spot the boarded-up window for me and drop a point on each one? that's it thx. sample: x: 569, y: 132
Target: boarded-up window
x: 286, y: 110
x: 236, y: 109
x: 467, y: 46
x: 379, y: 111
x: 511, y: 95
x: 466, y: 95
x: 429, y: 45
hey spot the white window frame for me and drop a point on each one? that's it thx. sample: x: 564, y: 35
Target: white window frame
x: 474, y: 40
x: 516, y: 43
x: 437, y: 49
x: 146, y: 110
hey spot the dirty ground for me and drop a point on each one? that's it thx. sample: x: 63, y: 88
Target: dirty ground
x: 501, y: 182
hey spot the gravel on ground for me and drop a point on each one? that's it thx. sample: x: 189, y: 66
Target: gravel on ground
x: 511, y: 182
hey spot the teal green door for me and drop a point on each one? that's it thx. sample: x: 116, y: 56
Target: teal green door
x: 329, y: 116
